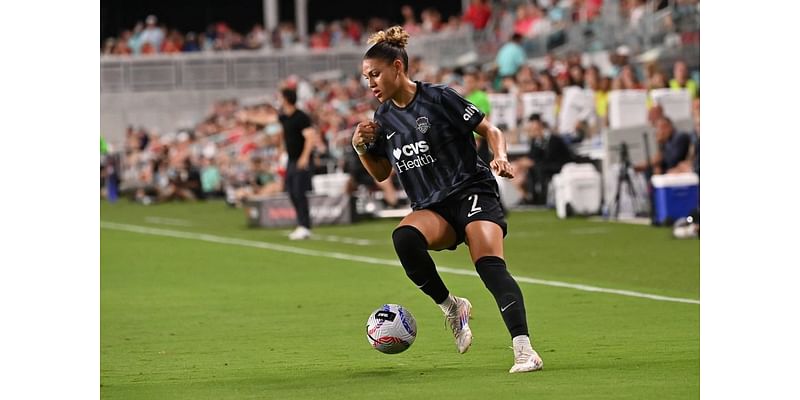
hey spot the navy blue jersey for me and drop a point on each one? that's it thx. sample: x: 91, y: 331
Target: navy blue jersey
x: 430, y: 145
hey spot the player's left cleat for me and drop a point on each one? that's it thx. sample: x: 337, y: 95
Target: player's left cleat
x: 526, y: 359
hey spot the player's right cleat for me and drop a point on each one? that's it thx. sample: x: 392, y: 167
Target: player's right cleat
x: 525, y: 359
x: 457, y: 317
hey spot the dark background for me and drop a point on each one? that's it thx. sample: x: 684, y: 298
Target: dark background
x: 195, y: 15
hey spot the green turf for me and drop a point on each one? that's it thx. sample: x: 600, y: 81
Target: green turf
x: 183, y: 318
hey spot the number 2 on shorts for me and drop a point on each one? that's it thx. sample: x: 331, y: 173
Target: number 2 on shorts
x: 475, y: 209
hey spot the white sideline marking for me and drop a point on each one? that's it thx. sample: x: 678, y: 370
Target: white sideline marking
x: 341, y: 239
x: 167, y: 221
x: 371, y: 260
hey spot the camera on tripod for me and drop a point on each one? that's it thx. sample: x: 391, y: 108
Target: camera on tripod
x: 624, y: 177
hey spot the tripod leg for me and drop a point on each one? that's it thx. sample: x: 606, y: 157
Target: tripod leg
x: 632, y: 193
x: 620, y: 180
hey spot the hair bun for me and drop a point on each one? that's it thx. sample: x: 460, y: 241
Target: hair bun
x: 395, y: 36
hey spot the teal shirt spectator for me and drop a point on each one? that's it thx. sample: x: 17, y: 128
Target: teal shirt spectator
x: 510, y: 57
x: 210, y: 179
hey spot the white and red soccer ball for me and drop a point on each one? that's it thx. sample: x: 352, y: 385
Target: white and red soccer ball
x: 391, y: 329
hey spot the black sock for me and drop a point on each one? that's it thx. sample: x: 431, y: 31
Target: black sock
x: 412, y: 249
x: 506, y: 293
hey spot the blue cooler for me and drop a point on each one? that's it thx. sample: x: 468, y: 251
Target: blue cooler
x: 675, y: 196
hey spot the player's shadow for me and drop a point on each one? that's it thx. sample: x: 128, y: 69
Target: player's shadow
x: 395, y: 371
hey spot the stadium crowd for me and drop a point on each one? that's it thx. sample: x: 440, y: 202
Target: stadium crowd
x: 236, y: 151
x: 498, y: 19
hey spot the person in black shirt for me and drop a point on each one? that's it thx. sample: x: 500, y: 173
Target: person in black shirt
x: 299, y: 137
x: 547, y: 154
x: 424, y: 132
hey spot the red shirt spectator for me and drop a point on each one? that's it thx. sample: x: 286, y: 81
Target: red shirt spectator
x: 478, y: 14
x: 526, y: 17
x: 147, y: 48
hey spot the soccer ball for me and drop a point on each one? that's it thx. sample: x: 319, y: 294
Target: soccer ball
x: 391, y: 329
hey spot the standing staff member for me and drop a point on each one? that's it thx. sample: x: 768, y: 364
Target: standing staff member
x: 424, y: 132
x: 299, y: 138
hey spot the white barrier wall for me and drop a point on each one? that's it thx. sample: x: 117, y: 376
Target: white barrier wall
x: 577, y: 104
x: 543, y: 103
x: 677, y: 104
x: 504, y: 110
x: 627, y: 108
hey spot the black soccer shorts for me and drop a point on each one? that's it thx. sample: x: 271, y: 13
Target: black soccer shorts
x: 470, y: 205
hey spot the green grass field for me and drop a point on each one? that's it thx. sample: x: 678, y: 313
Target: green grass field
x: 194, y: 307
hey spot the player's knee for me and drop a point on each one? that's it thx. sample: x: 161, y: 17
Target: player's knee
x: 408, y: 239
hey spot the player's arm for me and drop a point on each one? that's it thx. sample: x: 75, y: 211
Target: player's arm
x: 497, y: 144
x: 378, y: 167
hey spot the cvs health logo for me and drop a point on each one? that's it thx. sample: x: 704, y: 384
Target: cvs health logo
x: 411, y: 149
x: 418, y: 151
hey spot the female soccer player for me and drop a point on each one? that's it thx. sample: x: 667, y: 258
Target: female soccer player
x: 424, y: 132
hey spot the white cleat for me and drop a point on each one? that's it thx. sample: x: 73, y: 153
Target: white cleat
x: 458, y: 319
x: 300, y: 233
x: 526, y: 359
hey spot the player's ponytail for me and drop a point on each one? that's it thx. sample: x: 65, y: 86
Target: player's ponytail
x: 389, y: 45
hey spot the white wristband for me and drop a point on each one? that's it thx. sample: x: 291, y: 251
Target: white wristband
x: 360, y: 150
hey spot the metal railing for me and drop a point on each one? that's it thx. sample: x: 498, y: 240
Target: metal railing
x: 255, y: 69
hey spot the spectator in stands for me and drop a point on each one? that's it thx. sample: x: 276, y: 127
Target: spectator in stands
x: 477, y: 14
x: 431, y: 20
x: 576, y: 75
x: 548, y: 153
x: 256, y: 38
x: 600, y: 86
x: 287, y: 35
x: 173, y: 43
x: 673, y: 148
x: 148, y: 48
x: 526, y: 18
x: 410, y: 20
x: 526, y: 80
x: 627, y: 78
x: 547, y: 83
x: 587, y: 10
x: 636, y: 10
x: 353, y: 29
x: 260, y: 181
x: 121, y: 45
x: 152, y: 34
x: 692, y: 163
x: 321, y: 38
x: 191, y: 44
x: 135, y: 38
x: 299, y: 139
x: 177, y: 183
x: 510, y: 57
x: 210, y: 178
x: 681, y: 80
x: 657, y: 81
x: 542, y: 25
x: 108, y: 46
